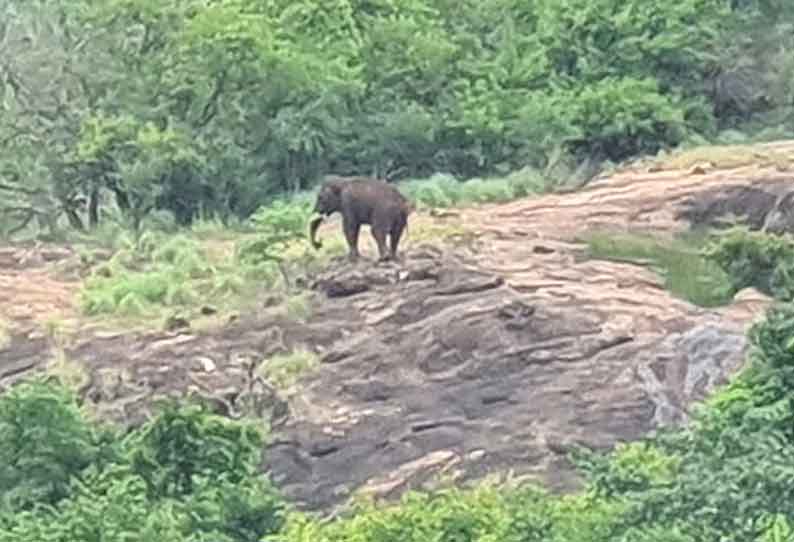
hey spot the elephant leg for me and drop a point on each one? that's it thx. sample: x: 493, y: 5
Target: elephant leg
x: 351, y: 228
x: 396, y: 232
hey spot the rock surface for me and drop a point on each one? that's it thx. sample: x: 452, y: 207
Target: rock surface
x: 453, y: 363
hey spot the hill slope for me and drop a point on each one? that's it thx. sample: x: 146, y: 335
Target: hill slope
x: 461, y: 361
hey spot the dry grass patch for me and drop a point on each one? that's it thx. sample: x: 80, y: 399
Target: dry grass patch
x: 425, y: 230
x: 729, y: 156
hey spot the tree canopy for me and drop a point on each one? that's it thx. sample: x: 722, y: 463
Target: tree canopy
x: 214, y: 107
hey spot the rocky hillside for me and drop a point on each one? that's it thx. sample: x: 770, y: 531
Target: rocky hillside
x: 491, y: 355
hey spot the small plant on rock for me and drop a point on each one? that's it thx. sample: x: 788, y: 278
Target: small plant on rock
x: 298, y: 307
x: 283, y: 370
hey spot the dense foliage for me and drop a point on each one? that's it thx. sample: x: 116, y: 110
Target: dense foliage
x: 186, y: 475
x: 127, y: 107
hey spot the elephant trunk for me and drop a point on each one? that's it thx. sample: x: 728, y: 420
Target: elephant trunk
x: 314, y: 224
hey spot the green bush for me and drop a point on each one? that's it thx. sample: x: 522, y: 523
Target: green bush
x: 186, y: 475
x: 731, y: 469
x: 111, y: 505
x: 285, y: 219
x: 755, y: 259
x: 623, y: 117
x: 44, y: 443
x: 276, y: 225
x: 184, y: 443
x: 482, y: 514
x: 445, y: 515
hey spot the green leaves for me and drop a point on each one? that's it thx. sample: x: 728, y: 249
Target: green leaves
x: 755, y: 259
x: 277, y: 225
x: 620, y: 117
x: 216, y: 107
x: 185, y: 476
x: 186, y: 442
x: 44, y: 443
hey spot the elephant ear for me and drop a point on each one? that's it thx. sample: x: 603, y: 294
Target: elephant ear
x: 336, y: 187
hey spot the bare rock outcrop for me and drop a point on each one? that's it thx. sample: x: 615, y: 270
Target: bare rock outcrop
x: 469, y: 368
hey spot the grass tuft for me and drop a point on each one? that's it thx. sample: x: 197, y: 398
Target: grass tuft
x: 297, y: 307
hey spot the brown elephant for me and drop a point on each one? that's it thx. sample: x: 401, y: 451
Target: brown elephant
x: 363, y: 200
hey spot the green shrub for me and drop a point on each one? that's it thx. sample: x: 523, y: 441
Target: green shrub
x: 186, y: 475
x: 282, y: 218
x: 772, y: 342
x: 733, y: 464
x: 276, y: 225
x: 481, y: 514
x: 619, y: 117
x: 436, y: 191
x: 528, y: 182
x: 234, y: 511
x: 105, y: 506
x: 632, y: 468
x: 445, y: 515
x: 44, y: 443
x: 166, y: 453
x: 755, y: 259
